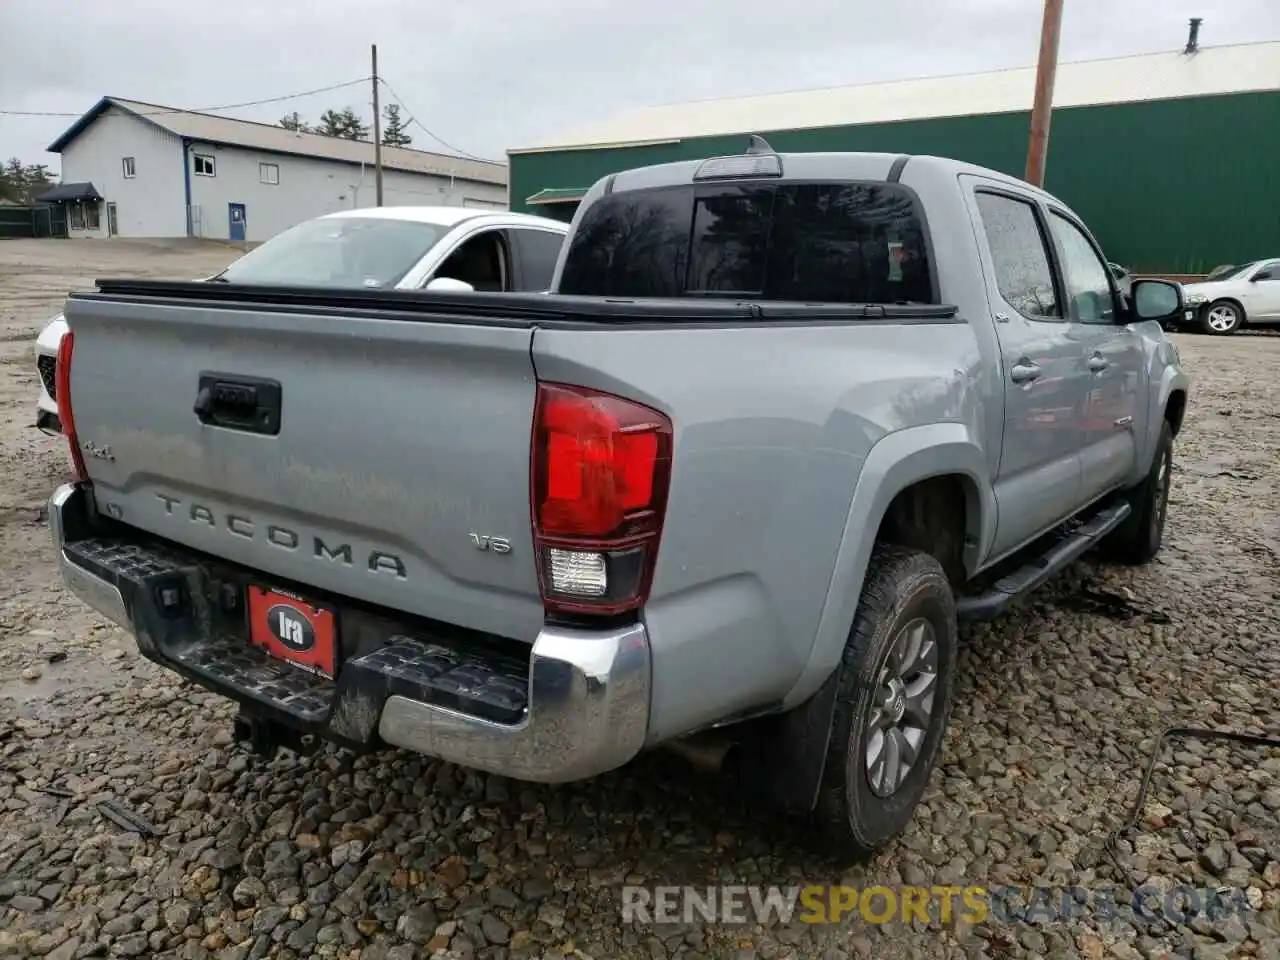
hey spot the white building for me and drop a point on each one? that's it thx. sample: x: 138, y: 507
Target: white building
x: 140, y: 170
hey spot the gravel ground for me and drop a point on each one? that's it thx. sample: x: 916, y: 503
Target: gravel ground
x: 396, y: 856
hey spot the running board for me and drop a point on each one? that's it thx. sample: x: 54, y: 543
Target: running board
x: 1060, y: 552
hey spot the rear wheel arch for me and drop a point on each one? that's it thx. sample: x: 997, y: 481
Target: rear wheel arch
x: 928, y: 457
x: 914, y: 491
x: 940, y: 515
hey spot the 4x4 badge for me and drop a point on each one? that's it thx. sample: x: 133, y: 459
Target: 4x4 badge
x: 97, y: 452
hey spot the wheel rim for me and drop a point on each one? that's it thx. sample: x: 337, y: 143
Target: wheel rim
x: 1222, y: 318
x: 902, y: 707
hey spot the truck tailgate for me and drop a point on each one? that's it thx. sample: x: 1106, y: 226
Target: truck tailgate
x: 397, y: 471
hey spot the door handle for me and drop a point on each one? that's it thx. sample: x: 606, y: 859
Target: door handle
x: 1024, y: 371
x: 1097, y: 363
x: 247, y: 404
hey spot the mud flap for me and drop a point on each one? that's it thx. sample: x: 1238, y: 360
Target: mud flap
x: 781, y: 758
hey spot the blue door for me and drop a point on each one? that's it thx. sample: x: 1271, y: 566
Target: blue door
x: 236, y: 212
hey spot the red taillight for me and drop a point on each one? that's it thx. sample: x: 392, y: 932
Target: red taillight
x: 601, y: 468
x: 62, y: 384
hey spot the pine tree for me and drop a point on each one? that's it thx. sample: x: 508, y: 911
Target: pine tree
x: 11, y: 188
x: 344, y: 123
x: 22, y: 183
x: 293, y: 121
x: 38, y: 178
x: 393, y: 129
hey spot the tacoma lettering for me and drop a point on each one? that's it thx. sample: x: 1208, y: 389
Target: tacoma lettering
x: 238, y: 525
x: 343, y: 552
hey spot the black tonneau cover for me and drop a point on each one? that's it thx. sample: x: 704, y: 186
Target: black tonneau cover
x: 504, y: 309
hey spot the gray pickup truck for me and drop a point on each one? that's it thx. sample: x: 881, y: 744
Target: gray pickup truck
x: 783, y: 421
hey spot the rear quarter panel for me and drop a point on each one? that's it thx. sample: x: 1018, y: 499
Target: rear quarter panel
x: 773, y: 426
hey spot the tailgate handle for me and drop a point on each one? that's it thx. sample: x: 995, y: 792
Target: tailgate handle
x: 247, y: 404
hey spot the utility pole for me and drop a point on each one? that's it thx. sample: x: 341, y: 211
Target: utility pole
x: 1042, y: 109
x: 377, y: 134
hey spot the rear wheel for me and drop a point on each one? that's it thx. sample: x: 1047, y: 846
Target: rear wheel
x: 1221, y: 318
x: 893, y: 702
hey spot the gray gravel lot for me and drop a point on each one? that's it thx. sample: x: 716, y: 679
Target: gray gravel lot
x: 397, y: 856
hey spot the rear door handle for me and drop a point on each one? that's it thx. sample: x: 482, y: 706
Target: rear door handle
x: 1097, y: 363
x: 1024, y: 371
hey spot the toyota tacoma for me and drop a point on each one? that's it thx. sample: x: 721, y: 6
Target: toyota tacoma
x: 781, y: 423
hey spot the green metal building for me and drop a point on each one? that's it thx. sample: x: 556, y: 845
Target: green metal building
x: 1173, y: 159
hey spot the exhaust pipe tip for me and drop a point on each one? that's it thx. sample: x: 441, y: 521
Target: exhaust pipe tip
x: 706, y: 751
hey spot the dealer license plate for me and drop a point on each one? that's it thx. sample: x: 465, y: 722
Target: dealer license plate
x: 293, y: 629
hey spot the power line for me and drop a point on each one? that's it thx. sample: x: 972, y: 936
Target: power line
x: 223, y: 106
x: 434, y: 136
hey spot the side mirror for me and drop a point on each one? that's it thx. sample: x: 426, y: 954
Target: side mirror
x: 450, y: 285
x: 1157, y: 300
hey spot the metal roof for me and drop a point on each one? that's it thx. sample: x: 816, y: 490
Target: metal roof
x: 1211, y: 71
x: 226, y: 131
x: 63, y: 192
x: 557, y: 195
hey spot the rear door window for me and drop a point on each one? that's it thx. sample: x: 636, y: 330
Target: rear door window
x: 807, y: 242
x: 1020, y: 256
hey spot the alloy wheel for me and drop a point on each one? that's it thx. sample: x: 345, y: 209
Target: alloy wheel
x: 1222, y: 319
x: 902, y: 707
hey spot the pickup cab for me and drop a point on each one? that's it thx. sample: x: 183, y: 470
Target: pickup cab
x: 783, y: 421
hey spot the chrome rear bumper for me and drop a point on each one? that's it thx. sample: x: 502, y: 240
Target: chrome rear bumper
x: 588, y: 712
x: 586, y: 709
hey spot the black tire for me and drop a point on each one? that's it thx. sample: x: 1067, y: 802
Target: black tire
x: 902, y: 587
x: 1226, y: 314
x: 1138, y: 538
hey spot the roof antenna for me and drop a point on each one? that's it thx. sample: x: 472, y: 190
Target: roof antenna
x: 1193, y: 38
x: 758, y: 144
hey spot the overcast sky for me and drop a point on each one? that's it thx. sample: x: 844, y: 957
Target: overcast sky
x: 494, y: 74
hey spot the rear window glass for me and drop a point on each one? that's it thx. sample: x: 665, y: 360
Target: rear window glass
x: 812, y: 242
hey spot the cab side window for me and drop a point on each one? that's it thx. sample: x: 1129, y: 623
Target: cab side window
x: 1089, y: 295
x: 1019, y: 255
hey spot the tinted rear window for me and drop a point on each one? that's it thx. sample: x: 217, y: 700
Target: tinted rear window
x: 816, y: 242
